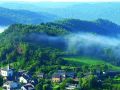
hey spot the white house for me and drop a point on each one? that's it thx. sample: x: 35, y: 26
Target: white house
x: 10, y: 85
x: 72, y: 87
x: 24, y: 78
x: 41, y: 75
x: 6, y: 72
x: 27, y: 87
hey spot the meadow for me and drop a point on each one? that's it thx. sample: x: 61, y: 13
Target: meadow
x: 89, y: 61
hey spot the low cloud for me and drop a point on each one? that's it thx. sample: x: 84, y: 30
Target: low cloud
x: 88, y: 39
x: 88, y: 44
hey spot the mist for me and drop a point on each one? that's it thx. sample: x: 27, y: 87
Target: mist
x: 77, y: 41
x: 47, y: 40
x: 89, y: 39
x: 82, y: 44
x: 94, y: 45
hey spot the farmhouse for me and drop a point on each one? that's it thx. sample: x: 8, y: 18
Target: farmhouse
x: 56, y: 78
x: 6, y: 72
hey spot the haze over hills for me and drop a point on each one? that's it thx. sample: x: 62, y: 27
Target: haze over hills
x: 83, y: 11
x: 12, y: 16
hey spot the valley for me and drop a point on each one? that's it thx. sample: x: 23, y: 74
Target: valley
x: 59, y: 46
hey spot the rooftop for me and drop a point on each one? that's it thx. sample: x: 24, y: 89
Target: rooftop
x: 9, y: 82
x: 56, y: 75
x: 29, y: 86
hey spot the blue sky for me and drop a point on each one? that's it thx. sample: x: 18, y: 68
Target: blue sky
x: 59, y: 0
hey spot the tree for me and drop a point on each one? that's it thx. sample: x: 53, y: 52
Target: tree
x: 79, y: 74
x: 69, y: 80
x: 46, y: 87
x: 85, y: 68
x: 88, y: 82
x: 1, y: 80
x: 62, y: 85
x: 92, y: 81
x: 56, y: 88
x: 38, y: 86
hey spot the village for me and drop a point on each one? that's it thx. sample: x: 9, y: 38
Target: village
x: 22, y: 80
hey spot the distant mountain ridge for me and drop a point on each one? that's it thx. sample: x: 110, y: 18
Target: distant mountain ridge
x: 83, y: 11
x: 99, y: 26
x: 11, y: 16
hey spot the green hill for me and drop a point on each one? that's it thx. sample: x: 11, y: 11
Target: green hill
x: 31, y: 46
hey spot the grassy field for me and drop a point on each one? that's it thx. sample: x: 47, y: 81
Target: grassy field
x: 89, y: 61
x: 0, y: 88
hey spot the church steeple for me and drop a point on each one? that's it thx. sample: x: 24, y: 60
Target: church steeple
x: 8, y: 67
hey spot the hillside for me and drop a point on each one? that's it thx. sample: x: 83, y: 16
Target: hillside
x: 31, y: 43
x: 47, y: 43
x: 12, y: 16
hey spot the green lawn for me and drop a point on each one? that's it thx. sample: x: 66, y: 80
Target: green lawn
x: 0, y: 88
x: 89, y: 61
x: 116, y: 85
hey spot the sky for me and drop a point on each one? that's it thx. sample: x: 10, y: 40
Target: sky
x: 59, y: 0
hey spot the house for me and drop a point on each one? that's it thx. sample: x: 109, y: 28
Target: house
x: 24, y: 78
x: 10, y: 85
x: 62, y: 73
x: 56, y: 78
x: 6, y: 72
x: 59, y: 75
x: 27, y: 79
x: 71, y: 74
x: 112, y: 73
x: 41, y: 75
x: 28, y: 86
x: 72, y: 87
